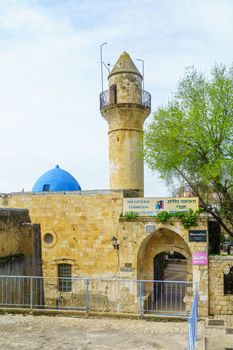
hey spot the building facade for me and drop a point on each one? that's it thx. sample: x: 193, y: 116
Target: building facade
x: 85, y: 234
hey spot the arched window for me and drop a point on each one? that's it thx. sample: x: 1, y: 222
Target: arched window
x: 228, y: 280
x: 113, y: 94
x: 64, y: 278
x: 46, y: 188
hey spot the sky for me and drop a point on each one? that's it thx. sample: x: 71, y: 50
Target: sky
x: 50, y: 76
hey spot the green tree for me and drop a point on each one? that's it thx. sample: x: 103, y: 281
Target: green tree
x: 190, y: 140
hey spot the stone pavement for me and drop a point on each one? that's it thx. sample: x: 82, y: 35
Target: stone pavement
x: 218, y: 333
x: 66, y: 333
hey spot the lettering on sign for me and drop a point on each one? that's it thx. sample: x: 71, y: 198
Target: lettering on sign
x: 127, y: 269
x: 200, y: 258
x: 216, y: 322
x: 152, y: 206
x: 197, y: 236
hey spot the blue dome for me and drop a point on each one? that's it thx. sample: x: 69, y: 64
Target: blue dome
x: 56, y: 180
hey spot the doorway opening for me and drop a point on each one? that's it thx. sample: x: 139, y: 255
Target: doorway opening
x: 165, y: 266
x: 113, y: 94
x: 169, y: 288
x: 170, y: 266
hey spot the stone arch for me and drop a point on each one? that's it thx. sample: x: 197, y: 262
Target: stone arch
x: 165, y: 238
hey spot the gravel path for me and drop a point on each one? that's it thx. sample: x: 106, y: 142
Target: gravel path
x: 66, y: 333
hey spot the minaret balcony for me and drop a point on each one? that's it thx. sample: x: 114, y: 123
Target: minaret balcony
x: 130, y: 97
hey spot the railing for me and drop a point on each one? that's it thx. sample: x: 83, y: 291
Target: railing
x: 131, y: 95
x: 192, y: 322
x: 170, y: 298
x: 167, y: 297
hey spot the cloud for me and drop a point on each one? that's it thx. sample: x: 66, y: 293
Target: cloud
x: 50, y: 75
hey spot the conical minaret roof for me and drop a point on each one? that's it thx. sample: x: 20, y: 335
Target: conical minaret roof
x: 124, y: 64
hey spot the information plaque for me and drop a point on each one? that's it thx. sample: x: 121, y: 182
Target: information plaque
x: 200, y: 258
x: 197, y: 236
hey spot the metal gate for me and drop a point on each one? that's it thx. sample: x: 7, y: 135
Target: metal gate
x: 167, y: 297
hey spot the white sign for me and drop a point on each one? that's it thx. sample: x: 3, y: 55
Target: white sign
x: 152, y: 206
x: 203, y: 297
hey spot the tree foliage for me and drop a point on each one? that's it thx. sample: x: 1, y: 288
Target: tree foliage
x: 190, y: 140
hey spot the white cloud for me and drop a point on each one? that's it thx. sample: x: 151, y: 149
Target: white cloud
x: 50, y: 76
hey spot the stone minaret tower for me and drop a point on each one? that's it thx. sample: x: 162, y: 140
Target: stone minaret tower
x: 125, y: 106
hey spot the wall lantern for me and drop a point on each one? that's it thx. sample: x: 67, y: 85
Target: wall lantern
x: 115, y: 243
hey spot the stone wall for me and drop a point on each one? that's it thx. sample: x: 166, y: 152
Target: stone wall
x: 81, y: 225
x: 20, y: 255
x: 14, y: 237
x: 219, y: 303
x: 22, y: 240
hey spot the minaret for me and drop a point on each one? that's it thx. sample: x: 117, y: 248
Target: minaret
x: 125, y: 106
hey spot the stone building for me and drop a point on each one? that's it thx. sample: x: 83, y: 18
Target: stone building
x: 22, y: 253
x: 84, y: 233
x: 20, y: 242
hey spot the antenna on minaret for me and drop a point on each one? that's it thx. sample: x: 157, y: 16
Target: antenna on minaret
x: 138, y: 59
x: 102, y: 63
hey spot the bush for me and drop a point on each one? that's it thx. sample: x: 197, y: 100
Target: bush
x: 188, y: 219
x: 131, y: 215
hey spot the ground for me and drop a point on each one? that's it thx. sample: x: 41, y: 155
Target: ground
x: 66, y: 333
x: 219, y: 336
x: 216, y: 343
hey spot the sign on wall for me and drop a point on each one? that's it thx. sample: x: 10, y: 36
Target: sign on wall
x: 152, y: 206
x: 197, y: 236
x: 200, y: 258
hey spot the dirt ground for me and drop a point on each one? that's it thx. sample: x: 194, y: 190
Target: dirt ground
x: 66, y: 333
x: 219, y: 343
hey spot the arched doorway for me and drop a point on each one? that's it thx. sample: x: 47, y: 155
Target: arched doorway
x: 170, y: 266
x: 164, y: 264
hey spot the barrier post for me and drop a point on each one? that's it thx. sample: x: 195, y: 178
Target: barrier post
x: 87, y: 294
x: 141, y: 311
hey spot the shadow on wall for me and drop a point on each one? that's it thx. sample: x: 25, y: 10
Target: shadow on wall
x: 20, y: 255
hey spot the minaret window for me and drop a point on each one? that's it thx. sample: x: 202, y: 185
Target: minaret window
x: 113, y: 94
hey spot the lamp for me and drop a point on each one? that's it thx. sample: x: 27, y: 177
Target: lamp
x: 115, y: 244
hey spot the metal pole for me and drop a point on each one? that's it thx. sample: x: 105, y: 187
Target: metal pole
x: 87, y: 294
x: 138, y: 59
x: 140, y: 299
x: 31, y: 293
x: 101, y: 64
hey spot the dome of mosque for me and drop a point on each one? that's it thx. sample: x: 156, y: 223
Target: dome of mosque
x: 56, y: 180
